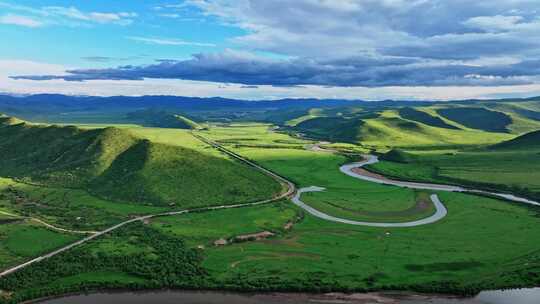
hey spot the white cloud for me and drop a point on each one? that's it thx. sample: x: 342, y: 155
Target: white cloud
x: 8, y: 67
x: 168, y: 41
x: 60, y: 15
x: 20, y: 21
x: 336, y: 29
x: 173, y: 16
x: 121, y: 18
x: 494, y: 23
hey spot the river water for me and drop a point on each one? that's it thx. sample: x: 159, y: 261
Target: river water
x: 518, y: 296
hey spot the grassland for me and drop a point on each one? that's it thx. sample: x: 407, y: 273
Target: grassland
x: 507, y: 171
x: 387, y: 129
x: 478, y: 118
x: 64, y: 207
x: 315, y: 255
x: 483, y: 243
x: 425, y: 118
x: 344, y: 196
x: 447, y: 256
x: 253, y: 135
x: 162, y: 119
x: 321, y: 254
x: 312, y: 113
x: 202, y: 229
x: 22, y: 240
x: 91, y: 178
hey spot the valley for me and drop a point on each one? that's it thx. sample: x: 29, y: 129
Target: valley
x: 209, y: 207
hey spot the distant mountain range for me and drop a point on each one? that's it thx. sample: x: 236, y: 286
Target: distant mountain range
x: 55, y: 101
x: 54, y: 108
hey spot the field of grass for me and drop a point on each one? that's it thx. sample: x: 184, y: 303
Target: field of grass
x: 526, y: 142
x: 450, y: 254
x: 173, y: 137
x: 425, y: 118
x: 525, y: 116
x: 419, y: 129
x: 478, y: 118
x: 313, y: 113
x: 253, y: 135
x: 513, y: 171
x: 22, y: 240
x: 204, y: 228
x: 395, y: 206
x: 166, y: 175
x: 390, y: 130
x: 317, y: 255
x: 67, y: 208
x: 344, y: 195
x: 162, y: 119
x: 483, y: 243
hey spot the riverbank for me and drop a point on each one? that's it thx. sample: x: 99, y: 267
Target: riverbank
x: 523, y: 296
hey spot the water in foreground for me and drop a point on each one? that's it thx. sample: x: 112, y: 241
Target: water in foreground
x: 518, y: 296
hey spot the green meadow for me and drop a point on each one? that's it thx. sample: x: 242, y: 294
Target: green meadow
x: 202, y: 229
x: 483, y: 243
x: 314, y: 255
x: 326, y: 255
x: 506, y: 171
x: 23, y: 240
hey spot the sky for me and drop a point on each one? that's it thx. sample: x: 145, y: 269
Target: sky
x: 261, y: 49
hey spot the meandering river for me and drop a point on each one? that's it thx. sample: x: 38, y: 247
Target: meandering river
x: 517, y: 296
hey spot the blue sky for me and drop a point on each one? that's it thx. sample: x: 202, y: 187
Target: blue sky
x: 65, y: 32
x: 259, y: 49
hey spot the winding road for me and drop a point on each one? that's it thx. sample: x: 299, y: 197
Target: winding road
x: 289, y: 187
x: 50, y: 226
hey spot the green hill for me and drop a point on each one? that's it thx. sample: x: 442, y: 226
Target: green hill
x: 527, y: 141
x: 6, y: 120
x: 163, y: 174
x: 478, y: 118
x: 387, y: 130
x: 188, y: 123
x: 331, y: 128
x: 115, y: 164
x: 64, y: 156
x: 162, y: 119
x: 398, y: 156
x: 425, y: 118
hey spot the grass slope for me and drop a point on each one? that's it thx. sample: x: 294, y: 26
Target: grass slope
x: 478, y: 118
x: 425, y: 118
x: 117, y: 165
x: 64, y: 156
x: 482, y: 243
x: 161, y: 119
x: 165, y: 174
x: 391, y: 131
x: 23, y: 240
x: 331, y: 128
x: 529, y: 141
x: 388, y: 129
x: 511, y: 167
